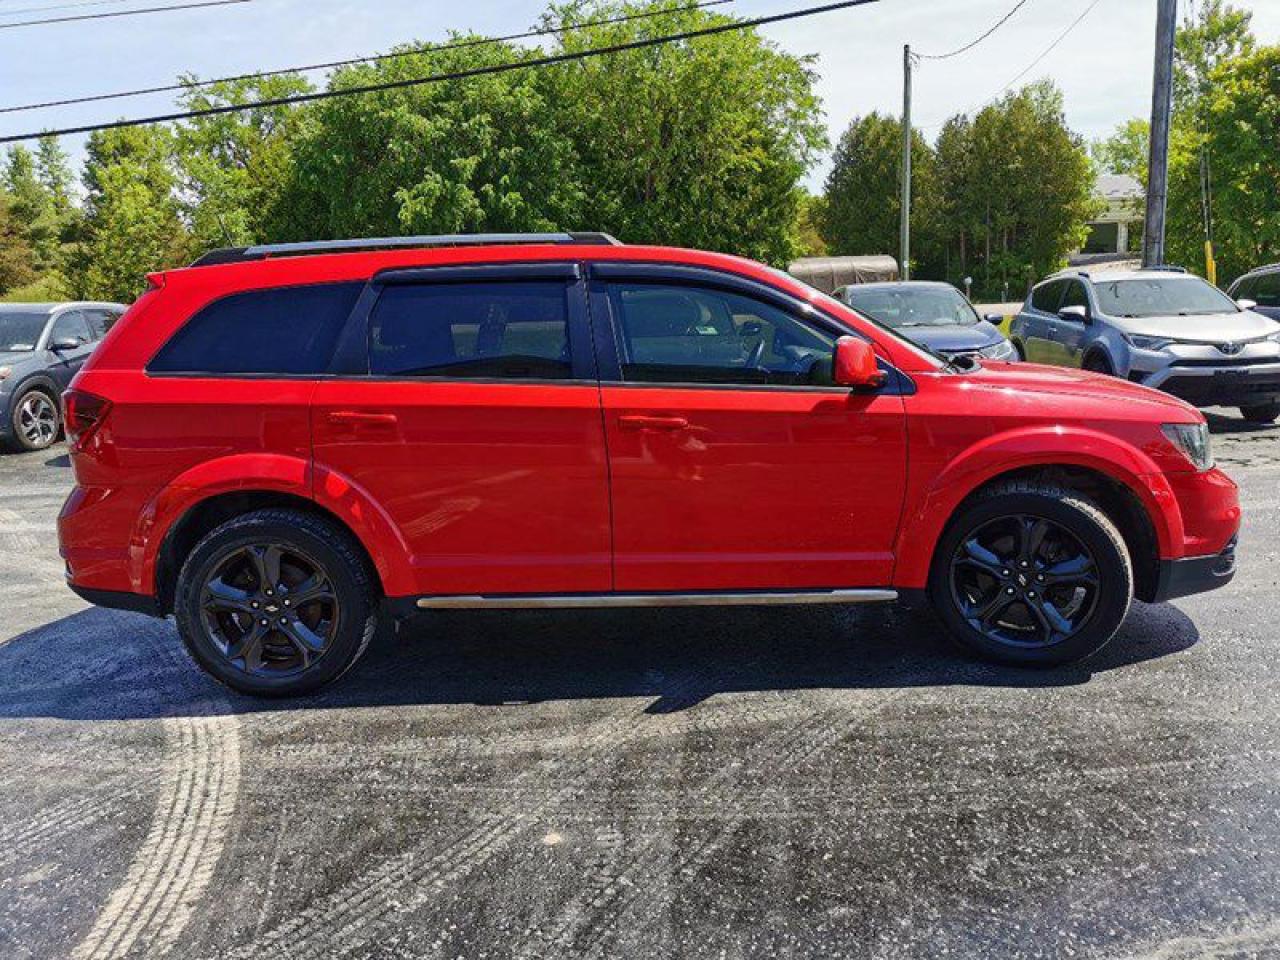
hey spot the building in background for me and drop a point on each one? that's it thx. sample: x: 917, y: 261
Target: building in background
x: 1119, y: 228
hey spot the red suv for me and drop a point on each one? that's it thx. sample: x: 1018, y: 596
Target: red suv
x: 281, y: 445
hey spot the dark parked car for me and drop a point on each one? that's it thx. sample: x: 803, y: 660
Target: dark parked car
x: 42, y: 346
x: 1262, y: 286
x: 934, y: 315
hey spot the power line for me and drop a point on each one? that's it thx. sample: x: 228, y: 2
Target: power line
x: 442, y: 77
x: 59, y: 6
x: 457, y: 45
x: 1031, y: 66
x: 969, y: 46
x: 119, y: 13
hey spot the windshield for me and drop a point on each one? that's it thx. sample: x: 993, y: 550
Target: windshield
x: 20, y: 331
x: 901, y: 307
x: 1162, y: 297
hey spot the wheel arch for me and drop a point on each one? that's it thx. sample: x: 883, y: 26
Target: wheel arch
x: 197, y: 502
x: 1123, y: 481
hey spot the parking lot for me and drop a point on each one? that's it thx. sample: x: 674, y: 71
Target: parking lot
x: 699, y: 783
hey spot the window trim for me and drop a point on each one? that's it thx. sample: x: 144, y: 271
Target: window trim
x: 352, y: 356
x: 606, y: 328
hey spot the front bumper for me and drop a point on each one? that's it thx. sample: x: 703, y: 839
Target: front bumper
x: 1211, y: 380
x: 1181, y: 578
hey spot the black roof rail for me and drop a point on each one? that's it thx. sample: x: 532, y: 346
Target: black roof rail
x: 266, y: 251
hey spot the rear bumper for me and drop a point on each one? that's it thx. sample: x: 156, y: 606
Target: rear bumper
x: 119, y: 600
x: 1182, y: 578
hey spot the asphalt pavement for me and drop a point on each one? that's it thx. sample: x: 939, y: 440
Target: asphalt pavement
x: 763, y: 783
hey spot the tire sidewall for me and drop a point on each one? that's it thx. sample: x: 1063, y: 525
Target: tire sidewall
x: 356, y: 613
x: 1114, y: 572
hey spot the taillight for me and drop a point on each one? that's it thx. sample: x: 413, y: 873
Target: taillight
x: 83, y: 413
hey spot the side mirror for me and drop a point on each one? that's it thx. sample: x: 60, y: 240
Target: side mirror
x: 1246, y: 304
x: 1074, y: 314
x: 993, y: 318
x: 855, y: 365
x: 64, y: 344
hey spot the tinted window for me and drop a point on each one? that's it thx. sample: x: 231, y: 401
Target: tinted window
x: 71, y: 326
x: 516, y: 330
x: 1266, y: 290
x: 673, y: 334
x: 20, y: 331
x: 1075, y: 295
x: 1243, y: 289
x: 288, y: 330
x: 1047, y: 297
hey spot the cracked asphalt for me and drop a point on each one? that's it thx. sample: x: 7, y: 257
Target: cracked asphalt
x: 807, y: 782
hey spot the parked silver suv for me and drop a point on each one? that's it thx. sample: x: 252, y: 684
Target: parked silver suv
x: 1160, y: 327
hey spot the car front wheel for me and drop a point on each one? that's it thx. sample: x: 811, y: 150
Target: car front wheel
x: 36, y: 421
x: 1032, y: 574
x: 276, y: 603
x: 1263, y: 413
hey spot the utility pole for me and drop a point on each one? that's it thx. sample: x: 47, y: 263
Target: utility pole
x: 904, y: 240
x: 1161, y: 114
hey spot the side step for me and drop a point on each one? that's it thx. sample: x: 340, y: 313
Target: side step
x: 585, y: 600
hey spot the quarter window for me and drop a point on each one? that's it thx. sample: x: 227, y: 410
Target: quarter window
x: 515, y: 330
x: 677, y: 334
x: 288, y: 331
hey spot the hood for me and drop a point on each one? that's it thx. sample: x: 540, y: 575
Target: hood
x: 1034, y: 378
x: 1206, y: 328
x: 953, y: 338
x: 13, y: 359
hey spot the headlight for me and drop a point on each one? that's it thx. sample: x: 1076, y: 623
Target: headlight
x: 1004, y: 350
x: 5, y: 373
x: 1192, y: 441
x: 1148, y: 343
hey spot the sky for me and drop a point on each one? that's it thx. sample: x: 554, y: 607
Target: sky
x: 1103, y: 66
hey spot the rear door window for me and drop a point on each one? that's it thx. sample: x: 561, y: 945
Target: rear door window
x: 100, y: 321
x: 507, y: 330
x: 288, y: 331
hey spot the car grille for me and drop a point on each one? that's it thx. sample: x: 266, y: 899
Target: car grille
x: 1207, y: 391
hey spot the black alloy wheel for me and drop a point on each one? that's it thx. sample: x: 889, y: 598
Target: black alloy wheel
x: 270, y: 610
x: 277, y: 602
x: 1024, y: 581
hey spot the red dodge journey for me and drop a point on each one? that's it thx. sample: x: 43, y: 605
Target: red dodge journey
x: 281, y: 445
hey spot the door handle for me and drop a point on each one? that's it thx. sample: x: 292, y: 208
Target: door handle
x: 642, y: 422
x: 352, y: 418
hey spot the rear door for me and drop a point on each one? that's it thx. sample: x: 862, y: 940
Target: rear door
x: 735, y: 463
x: 472, y: 418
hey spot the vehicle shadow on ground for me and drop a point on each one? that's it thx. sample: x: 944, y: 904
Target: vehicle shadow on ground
x: 1226, y: 424
x: 101, y: 665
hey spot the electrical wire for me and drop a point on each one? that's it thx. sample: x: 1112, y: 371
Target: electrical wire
x: 119, y: 13
x: 59, y: 6
x: 969, y: 46
x: 332, y: 64
x: 545, y: 61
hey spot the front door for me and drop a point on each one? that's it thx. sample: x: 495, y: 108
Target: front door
x: 1071, y: 332
x: 477, y: 430
x: 735, y: 463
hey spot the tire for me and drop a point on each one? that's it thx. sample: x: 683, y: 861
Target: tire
x: 1264, y: 413
x: 1098, y: 363
x: 1022, y: 354
x: 230, y: 615
x: 964, y: 582
x: 35, y: 421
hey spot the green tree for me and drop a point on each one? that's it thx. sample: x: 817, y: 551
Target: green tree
x: 1017, y: 189
x: 1219, y: 33
x: 1125, y: 150
x: 235, y: 165
x: 1240, y: 131
x: 864, y: 192
x: 480, y: 154
x: 132, y: 222
x: 16, y: 257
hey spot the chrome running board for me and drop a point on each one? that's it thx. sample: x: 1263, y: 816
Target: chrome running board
x: 584, y: 600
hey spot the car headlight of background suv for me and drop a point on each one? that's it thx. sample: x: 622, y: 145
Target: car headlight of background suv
x: 1004, y: 350
x: 1149, y: 343
x: 1192, y: 441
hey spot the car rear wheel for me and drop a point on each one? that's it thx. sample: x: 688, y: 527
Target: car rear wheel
x: 276, y: 603
x: 1032, y: 574
x: 1263, y: 413
x: 36, y: 421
